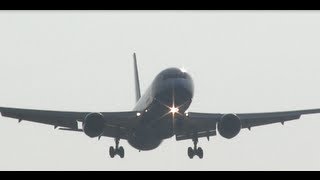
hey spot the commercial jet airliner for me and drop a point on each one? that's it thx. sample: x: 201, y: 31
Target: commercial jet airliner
x: 159, y: 114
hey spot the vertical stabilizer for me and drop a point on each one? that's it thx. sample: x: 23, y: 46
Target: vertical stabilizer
x: 136, y: 78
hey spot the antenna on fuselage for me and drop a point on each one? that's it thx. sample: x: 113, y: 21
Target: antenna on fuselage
x: 136, y: 78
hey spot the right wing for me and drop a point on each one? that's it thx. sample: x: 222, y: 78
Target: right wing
x: 117, y: 124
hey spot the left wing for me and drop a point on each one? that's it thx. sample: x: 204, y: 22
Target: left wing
x: 204, y: 124
x: 116, y: 123
x: 249, y: 120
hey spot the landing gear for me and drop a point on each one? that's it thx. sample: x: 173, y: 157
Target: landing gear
x: 195, y: 151
x: 121, y: 152
x: 112, y: 152
x: 190, y: 152
x: 117, y: 150
x: 200, y: 152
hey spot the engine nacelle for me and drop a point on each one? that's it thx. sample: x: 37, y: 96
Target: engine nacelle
x: 229, y: 126
x: 93, y: 124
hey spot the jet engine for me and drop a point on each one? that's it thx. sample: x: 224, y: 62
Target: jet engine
x: 93, y: 124
x: 229, y: 126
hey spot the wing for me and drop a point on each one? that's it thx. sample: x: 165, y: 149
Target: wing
x: 249, y: 120
x: 196, y: 124
x: 116, y: 123
x: 204, y: 124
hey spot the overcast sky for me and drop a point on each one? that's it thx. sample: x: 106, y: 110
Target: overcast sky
x: 241, y: 62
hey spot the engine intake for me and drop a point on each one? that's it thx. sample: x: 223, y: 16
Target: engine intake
x: 93, y: 124
x: 229, y: 126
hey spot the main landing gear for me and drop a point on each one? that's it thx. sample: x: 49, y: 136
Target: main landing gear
x: 195, y: 151
x: 117, y: 150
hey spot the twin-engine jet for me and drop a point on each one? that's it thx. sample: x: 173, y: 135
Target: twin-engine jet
x: 159, y: 114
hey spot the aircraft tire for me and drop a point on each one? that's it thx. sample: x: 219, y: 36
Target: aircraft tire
x: 191, y: 152
x: 200, y: 152
x: 112, y: 152
x: 121, y: 152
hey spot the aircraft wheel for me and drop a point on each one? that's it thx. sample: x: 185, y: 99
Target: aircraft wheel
x: 190, y: 152
x: 200, y: 152
x: 112, y: 151
x: 121, y: 152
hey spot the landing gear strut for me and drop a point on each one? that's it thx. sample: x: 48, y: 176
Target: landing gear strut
x: 116, y: 150
x: 195, y: 151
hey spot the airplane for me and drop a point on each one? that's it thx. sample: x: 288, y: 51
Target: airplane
x: 159, y: 114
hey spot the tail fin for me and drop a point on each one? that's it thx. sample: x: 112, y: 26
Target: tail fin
x: 136, y: 78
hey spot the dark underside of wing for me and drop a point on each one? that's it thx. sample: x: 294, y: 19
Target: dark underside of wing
x: 116, y: 124
x: 205, y: 124
x: 55, y: 118
x: 249, y: 120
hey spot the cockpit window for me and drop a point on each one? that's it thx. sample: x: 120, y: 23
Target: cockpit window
x: 175, y: 75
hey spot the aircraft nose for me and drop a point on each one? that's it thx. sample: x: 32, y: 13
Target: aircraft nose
x: 177, y: 90
x: 183, y: 91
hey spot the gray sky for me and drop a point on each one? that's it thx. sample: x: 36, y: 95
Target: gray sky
x: 241, y: 61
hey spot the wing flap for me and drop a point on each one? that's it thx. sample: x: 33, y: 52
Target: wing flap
x: 127, y: 119
x: 198, y: 134
x: 196, y: 124
x: 68, y: 129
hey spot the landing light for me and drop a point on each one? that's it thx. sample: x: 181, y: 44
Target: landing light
x: 138, y: 114
x: 174, y: 110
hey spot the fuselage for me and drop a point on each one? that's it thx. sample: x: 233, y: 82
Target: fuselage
x: 166, y: 99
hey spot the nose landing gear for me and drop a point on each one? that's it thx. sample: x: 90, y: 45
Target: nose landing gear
x: 116, y: 150
x: 195, y: 151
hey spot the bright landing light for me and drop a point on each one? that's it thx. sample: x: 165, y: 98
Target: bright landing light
x: 174, y: 110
